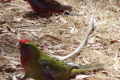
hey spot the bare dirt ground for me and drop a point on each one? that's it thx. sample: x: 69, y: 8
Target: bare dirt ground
x: 62, y: 34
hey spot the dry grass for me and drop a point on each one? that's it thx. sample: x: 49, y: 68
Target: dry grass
x: 18, y: 21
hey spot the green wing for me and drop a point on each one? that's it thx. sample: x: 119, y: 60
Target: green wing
x: 54, y: 69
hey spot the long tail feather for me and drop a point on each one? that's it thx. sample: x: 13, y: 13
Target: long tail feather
x: 89, y: 67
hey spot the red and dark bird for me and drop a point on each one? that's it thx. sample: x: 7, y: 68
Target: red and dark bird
x: 48, y: 6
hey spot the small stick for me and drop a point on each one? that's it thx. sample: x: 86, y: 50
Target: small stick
x: 91, y: 26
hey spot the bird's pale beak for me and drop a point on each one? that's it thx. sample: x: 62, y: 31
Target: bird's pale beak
x: 17, y: 46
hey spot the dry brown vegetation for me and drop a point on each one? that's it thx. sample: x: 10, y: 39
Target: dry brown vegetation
x: 62, y: 34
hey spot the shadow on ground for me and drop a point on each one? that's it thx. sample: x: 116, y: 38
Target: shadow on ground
x: 33, y: 15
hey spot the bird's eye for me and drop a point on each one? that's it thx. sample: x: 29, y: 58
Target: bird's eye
x: 26, y: 46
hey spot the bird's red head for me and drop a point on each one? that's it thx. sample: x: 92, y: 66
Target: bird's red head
x: 22, y: 41
x: 25, y: 54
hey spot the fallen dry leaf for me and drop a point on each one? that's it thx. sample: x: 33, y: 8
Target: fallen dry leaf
x: 51, y: 37
x: 9, y: 70
x: 1, y: 69
x: 114, y: 41
x: 3, y: 58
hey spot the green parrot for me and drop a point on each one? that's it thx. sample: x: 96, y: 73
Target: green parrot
x: 39, y: 66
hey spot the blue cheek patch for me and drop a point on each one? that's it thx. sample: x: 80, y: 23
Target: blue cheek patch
x: 24, y: 53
